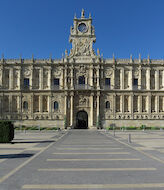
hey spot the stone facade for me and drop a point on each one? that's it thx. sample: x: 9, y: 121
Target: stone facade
x: 82, y: 87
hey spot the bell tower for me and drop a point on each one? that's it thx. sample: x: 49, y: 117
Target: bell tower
x: 82, y: 36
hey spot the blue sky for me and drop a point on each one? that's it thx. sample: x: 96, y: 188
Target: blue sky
x: 41, y: 27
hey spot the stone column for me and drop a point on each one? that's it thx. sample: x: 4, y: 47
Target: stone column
x: 49, y: 78
x: 32, y: 104
x: 114, y: 105
x: 98, y: 77
x: 1, y: 79
x: 131, y: 104
x: 71, y: 108
x: 91, y: 104
x: 91, y: 76
x: 139, y: 103
x: 11, y: 72
x: 157, y: 104
x: 72, y: 78
x: 65, y: 77
x: 130, y: 80
x: 148, y: 79
x: 10, y: 103
x: 113, y: 79
x: 149, y: 103
x: 41, y: 79
x: 40, y: 103
x: 156, y: 79
x: 65, y: 103
x: 62, y: 78
x: 139, y: 78
x: 163, y: 79
x: 122, y: 78
x: 19, y: 79
x: 50, y: 105
x: 122, y: 103
x: 19, y: 104
x: 98, y: 105
x: 31, y: 78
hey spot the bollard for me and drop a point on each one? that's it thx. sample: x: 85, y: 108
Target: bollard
x: 114, y: 132
x: 129, y: 138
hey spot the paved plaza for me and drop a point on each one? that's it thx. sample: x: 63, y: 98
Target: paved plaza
x: 83, y: 159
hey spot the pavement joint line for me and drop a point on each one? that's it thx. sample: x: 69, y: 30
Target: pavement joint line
x: 90, y: 153
x: 110, y: 148
x: 148, y: 155
x: 101, y: 159
x: 94, y: 169
x: 2, y: 179
x: 93, y: 186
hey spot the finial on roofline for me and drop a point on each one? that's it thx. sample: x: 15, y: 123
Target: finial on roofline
x: 148, y: 58
x: 131, y: 58
x: 139, y: 58
x: 2, y: 55
x: 98, y: 52
x: 66, y: 53
x: 82, y: 13
x: 89, y: 15
x: 74, y: 15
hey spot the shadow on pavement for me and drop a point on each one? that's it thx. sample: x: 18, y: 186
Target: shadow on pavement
x: 35, y: 141
x: 15, y: 156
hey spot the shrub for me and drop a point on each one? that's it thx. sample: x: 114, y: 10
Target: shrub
x: 6, y: 131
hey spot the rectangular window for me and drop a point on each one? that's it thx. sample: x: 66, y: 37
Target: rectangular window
x: 135, y: 82
x: 26, y: 83
x: 107, y: 82
x: 56, y: 81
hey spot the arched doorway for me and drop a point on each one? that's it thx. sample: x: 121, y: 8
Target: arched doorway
x: 81, y: 120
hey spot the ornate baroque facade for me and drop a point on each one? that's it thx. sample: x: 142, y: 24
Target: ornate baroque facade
x: 82, y: 88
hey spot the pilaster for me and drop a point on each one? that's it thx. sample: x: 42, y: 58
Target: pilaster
x: 11, y: 72
x: 156, y: 79
x: 130, y: 81
x: 91, y: 109
x: 98, y: 104
x: 71, y: 108
x: 98, y: 77
x: 41, y: 79
x: 140, y: 78
x: 40, y: 103
x: 148, y: 78
x: 91, y: 76
x: 122, y: 78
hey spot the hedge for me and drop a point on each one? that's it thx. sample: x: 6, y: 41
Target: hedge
x: 6, y: 131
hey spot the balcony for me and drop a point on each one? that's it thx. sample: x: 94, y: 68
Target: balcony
x: 83, y: 87
x: 107, y: 87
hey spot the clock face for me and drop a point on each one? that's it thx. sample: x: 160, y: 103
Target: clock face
x: 82, y: 28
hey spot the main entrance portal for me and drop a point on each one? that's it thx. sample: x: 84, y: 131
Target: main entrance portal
x: 82, y: 120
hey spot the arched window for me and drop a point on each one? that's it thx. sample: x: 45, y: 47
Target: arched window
x: 81, y: 80
x: 56, y: 105
x: 107, y: 104
x: 25, y: 105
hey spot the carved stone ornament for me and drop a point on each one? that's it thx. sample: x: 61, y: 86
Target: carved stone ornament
x: 82, y: 47
x: 57, y: 72
x: 83, y: 101
x: 27, y: 72
x: 136, y: 73
x: 108, y: 73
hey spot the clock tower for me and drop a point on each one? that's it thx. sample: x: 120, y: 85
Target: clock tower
x: 82, y: 36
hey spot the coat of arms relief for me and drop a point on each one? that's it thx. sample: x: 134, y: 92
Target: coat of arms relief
x: 82, y: 47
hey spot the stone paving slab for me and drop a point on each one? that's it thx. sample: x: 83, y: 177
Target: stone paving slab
x: 93, y: 165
